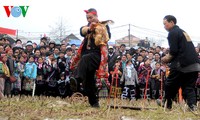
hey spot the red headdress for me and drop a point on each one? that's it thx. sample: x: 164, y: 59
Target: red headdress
x: 91, y: 10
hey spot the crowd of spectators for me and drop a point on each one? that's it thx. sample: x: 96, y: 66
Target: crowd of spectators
x: 47, y: 65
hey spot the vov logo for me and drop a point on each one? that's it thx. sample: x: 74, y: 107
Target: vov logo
x: 16, y: 11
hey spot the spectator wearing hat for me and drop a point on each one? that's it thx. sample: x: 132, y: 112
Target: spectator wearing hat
x: 69, y: 51
x: 29, y: 47
x: 4, y: 74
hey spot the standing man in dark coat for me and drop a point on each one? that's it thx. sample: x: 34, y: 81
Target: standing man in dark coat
x: 184, y: 65
x: 90, y: 58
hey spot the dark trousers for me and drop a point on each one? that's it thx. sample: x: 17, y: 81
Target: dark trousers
x: 186, y: 81
x: 86, y: 70
x: 155, y: 88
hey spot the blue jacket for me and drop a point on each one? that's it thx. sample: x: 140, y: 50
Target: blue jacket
x: 30, y: 70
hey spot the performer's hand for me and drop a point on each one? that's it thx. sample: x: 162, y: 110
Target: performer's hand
x: 166, y: 59
x: 92, y: 25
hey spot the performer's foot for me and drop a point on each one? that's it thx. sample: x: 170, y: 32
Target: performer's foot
x: 193, y: 108
x: 162, y: 103
x: 73, y: 84
x: 96, y: 105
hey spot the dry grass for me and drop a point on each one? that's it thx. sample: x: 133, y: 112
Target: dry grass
x: 40, y: 108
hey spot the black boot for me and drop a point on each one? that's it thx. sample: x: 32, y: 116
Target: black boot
x: 94, y: 102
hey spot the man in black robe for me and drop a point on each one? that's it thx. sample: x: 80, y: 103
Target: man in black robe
x: 89, y: 61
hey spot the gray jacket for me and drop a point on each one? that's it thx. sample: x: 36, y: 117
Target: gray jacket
x: 133, y: 80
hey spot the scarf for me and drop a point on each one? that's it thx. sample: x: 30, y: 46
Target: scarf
x: 158, y: 71
x: 129, y: 69
x: 102, y: 73
x: 6, y: 70
x: 21, y: 66
x: 40, y: 65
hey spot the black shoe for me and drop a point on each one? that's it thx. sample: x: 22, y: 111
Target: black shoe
x: 73, y: 84
x: 193, y: 108
x: 96, y: 105
x: 163, y: 102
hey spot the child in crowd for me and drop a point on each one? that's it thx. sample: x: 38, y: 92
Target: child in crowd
x: 30, y: 73
x: 63, y: 86
x: 156, y: 77
x: 123, y: 61
x: 68, y: 57
x: 61, y: 62
x: 40, y: 80
x: 130, y: 79
x: 144, y: 72
x: 115, y: 83
x: 19, y: 75
x: 52, y: 74
x: 25, y: 55
x: 37, y: 54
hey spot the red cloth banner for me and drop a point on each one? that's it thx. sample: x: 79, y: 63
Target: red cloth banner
x: 7, y: 31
